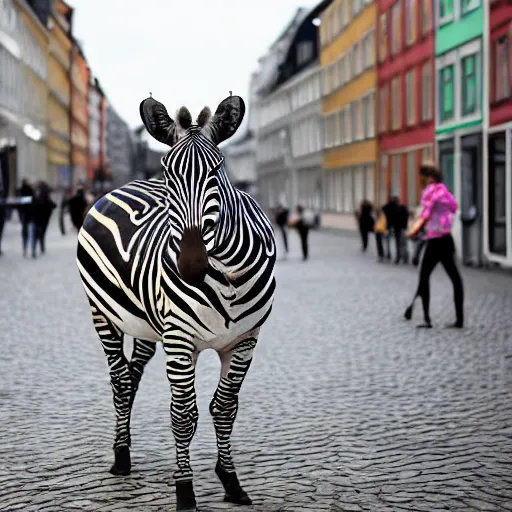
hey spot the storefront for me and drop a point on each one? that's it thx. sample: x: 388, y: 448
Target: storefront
x: 460, y: 158
x: 498, y: 194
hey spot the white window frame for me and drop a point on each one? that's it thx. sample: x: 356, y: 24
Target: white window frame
x: 455, y: 57
x: 410, y: 93
x: 448, y: 18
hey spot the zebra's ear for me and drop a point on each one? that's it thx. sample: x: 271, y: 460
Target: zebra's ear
x: 158, y: 122
x: 226, y: 120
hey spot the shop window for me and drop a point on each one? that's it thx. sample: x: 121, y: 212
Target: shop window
x: 497, y: 194
x: 446, y: 93
x: 470, y: 93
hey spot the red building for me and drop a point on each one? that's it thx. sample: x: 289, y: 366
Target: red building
x: 498, y: 174
x: 406, y: 83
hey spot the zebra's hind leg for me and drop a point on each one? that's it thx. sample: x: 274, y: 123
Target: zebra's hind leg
x: 143, y: 351
x: 122, y: 388
x: 224, y: 408
x: 180, y: 353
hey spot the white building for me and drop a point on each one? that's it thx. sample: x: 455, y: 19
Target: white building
x: 289, y: 121
x: 22, y: 105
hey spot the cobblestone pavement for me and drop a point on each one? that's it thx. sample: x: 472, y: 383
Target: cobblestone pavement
x: 346, y: 408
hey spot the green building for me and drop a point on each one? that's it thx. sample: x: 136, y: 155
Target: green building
x: 459, y: 106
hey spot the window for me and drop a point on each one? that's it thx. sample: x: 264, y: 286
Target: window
x: 304, y: 52
x: 396, y: 185
x: 396, y: 30
x: 360, y: 119
x: 446, y: 93
x: 469, y: 5
x: 325, y: 81
x: 343, y: 12
x: 426, y: 92
x: 446, y: 162
x: 412, y: 186
x: 342, y: 125
x: 341, y: 70
x: 334, y: 77
x: 411, y: 21
x: 445, y: 11
x: 356, y: 59
x: 336, y: 129
x: 396, y: 104
x: 348, y: 65
x: 383, y: 182
x: 383, y: 37
x: 348, y: 124
x: 426, y: 16
x: 369, y: 115
x: 501, y: 69
x: 347, y: 189
x: 470, y: 87
x: 327, y: 133
x: 353, y: 120
x: 356, y: 7
x: 410, y: 92
x: 383, y: 108
x: 368, y: 50
x: 426, y: 154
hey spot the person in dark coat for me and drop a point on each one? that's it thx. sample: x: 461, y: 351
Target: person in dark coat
x: 402, y: 223
x: 282, y: 221
x: 77, y: 206
x: 303, y: 229
x: 42, y: 209
x: 365, y: 221
x: 26, y: 214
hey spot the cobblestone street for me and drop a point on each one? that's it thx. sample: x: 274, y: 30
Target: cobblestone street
x: 346, y: 407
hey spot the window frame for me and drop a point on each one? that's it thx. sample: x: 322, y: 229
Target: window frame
x: 426, y: 14
x: 410, y: 93
x: 426, y: 92
x: 505, y: 73
x: 470, y: 9
x: 411, y: 22
x: 383, y: 28
x: 464, y: 84
x: 396, y: 28
x: 448, y: 18
x: 396, y: 102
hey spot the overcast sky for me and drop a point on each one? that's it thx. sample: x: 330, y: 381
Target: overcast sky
x: 186, y: 52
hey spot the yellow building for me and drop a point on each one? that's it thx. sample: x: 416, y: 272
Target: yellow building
x: 59, y: 101
x: 34, y: 95
x: 347, y: 59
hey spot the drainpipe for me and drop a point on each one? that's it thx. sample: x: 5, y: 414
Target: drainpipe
x: 486, y: 71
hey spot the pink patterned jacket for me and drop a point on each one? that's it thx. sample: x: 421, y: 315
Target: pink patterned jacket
x: 439, y: 207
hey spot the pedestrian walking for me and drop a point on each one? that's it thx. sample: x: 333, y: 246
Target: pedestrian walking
x: 77, y: 206
x: 380, y: 233
x: 42, y: 210
x: 438, y: 210
x: 390, y: 211
x: 282, y: 214
x: 303, y: 223
x: 25, y: 209
x: 365, y: 222
x: 402, y: 223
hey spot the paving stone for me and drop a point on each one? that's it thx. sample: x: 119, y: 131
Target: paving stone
x: 346, y: 407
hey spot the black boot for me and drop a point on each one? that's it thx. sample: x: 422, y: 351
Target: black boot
x: 185, y: 497
x: 122, y: 461
x: 234, y: 492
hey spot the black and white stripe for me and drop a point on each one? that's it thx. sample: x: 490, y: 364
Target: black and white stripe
x: 128, y: 257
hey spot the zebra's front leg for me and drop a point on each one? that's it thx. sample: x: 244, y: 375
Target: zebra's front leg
x: 180, y: 353
x: 122, y: 388
x: 224, y: 408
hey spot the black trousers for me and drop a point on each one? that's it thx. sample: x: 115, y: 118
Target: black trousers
x: 379, y: 240
x: 3, y: 215
x: 440, y: 250
x: 364, y: 238
x: 40, y: 234
x: 285, y: 237
x: 303, y: 233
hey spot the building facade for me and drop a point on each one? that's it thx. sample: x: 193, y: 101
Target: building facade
x: 289, y: 125
x: 459, y: 102
x: 59, y: 100
x: 97, y: 111
x: 347, y: 59
x: 498, y: 173
x: 406, y: 79
x: 79, y: 115
x: 23, y: 74
x: 119, y: 148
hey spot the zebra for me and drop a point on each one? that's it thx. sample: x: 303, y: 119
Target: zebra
x: 187, y: 260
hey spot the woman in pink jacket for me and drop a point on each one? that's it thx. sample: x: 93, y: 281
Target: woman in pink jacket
x: 438, y: 211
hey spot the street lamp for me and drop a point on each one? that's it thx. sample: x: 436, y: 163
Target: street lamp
x: 290, y: 164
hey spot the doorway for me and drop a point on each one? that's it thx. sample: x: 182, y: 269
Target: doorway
x: 497, y: 194
x: 471, y: 180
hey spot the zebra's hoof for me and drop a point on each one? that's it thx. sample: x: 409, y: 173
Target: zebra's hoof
x: 234, y: 492
x: 122, y: 462
x: 185, y: 497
